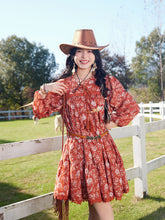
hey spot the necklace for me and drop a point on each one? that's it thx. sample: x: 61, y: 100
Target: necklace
x: 81, y: 81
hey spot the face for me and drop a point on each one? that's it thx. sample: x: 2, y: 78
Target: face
x: 84, y: 58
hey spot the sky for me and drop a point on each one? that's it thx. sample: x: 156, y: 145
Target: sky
x: 119, y: 23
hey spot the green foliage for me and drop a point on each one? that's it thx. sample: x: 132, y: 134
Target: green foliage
x: 149, y: 64
x: 24, y: 66
x: 154, y: 88
x: 116, y: 65
x: 142, y: 95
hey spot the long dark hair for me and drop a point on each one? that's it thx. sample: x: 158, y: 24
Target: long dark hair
x: 100, y: 75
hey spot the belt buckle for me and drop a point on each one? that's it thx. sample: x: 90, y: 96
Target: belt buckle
x: 89, y: 138
x: 98, y: 137
x: 93, y: 138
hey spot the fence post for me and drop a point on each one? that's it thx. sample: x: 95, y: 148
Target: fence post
x: 30, y: 114
x: 139, y: 155
x: 141, y: 108
x: 151, y: 111
x: 162, y: 109
x: 9, y: 115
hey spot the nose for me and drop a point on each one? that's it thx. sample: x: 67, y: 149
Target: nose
x: 84, y: 53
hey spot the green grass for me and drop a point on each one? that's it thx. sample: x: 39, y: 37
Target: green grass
x: 30, y: 176
x: 21, y: 130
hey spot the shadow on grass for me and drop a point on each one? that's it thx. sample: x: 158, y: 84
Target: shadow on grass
x: 159, y: 214
x: 11, y: 194
x: 158, y: 199
x: 5, y: 141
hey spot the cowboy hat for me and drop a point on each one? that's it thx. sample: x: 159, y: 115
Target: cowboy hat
x: 83, y: 38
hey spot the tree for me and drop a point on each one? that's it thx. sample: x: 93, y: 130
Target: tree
x: 116, y: 66
x: 23, y: 65
x: 149, y: 63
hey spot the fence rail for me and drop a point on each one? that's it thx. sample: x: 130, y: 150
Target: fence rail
x: 18, y: 114
x: 15, y: 114
x: 138, y: 172
x: 153, y: 110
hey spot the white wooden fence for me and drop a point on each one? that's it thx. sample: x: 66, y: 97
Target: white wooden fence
x: 153, y: 110
x: 138, y: 172
x: 15, y: 114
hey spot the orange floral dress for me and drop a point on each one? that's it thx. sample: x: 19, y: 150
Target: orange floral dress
x: 89, y: 169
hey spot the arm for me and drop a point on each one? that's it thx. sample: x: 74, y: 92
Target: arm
x: 121, y: 103
x: 46, y: 103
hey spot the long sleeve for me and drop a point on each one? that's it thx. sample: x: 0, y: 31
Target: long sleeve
x: 44, y: 107
x: 121, y: 103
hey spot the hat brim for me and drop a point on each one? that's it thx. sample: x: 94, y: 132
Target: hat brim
x: 66, y: 48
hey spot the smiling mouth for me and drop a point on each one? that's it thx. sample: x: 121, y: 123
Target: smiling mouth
x: 84, y: 61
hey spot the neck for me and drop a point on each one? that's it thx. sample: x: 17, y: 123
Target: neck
x: 83, y: 72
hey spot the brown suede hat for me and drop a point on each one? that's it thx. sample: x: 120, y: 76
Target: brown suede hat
x: 83, y: 38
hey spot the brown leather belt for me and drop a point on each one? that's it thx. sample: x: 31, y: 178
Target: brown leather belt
x: 88, y: 137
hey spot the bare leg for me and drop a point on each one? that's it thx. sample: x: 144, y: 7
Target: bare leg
x: 92, y: 213
x: 104, y: 210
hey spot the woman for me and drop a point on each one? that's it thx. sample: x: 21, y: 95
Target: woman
x: 90, y: 102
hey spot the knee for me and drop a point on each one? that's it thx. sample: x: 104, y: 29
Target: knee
x: 104, y: 210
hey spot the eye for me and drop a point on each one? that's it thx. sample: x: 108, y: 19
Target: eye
x: 78, y: 50
x: 90, y: 51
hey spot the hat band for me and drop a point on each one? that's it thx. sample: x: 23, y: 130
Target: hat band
x: 85, y: 43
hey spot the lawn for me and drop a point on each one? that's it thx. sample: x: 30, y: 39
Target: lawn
x: 30, y: 176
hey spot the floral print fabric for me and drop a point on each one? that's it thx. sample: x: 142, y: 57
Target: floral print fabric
x: 89, y: 170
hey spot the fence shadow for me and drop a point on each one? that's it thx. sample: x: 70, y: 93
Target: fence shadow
x: 158, y: 199
x: 5, y: 141
x: 159, y: 214
x: 10, y: 194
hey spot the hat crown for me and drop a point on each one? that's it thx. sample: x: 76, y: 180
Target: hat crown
x: 84, y: 37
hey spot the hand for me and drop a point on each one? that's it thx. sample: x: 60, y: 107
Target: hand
x: 110, y: 125
x: 58, y: 87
